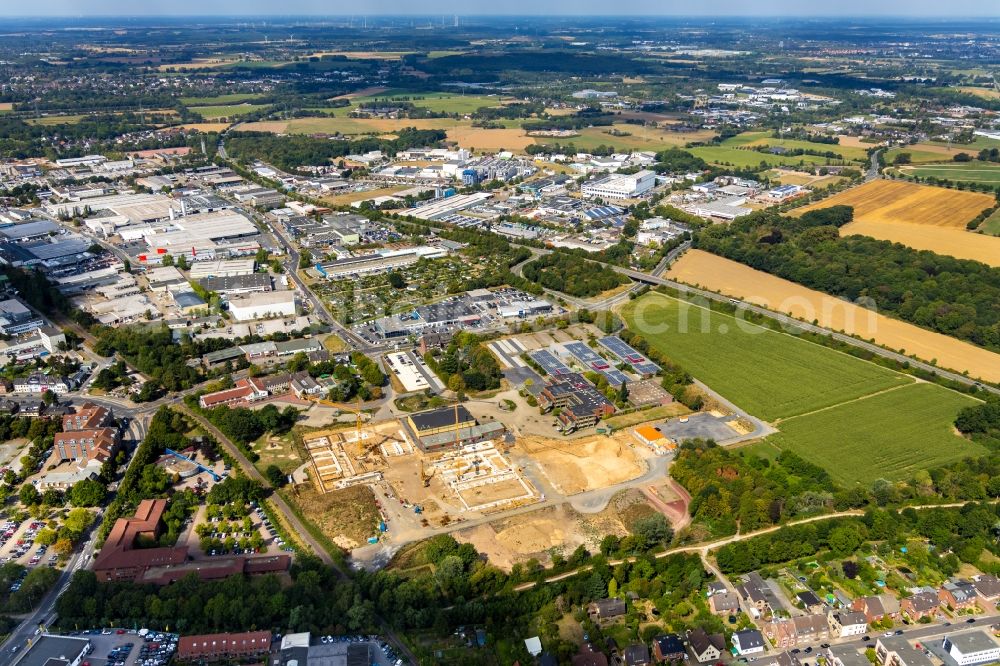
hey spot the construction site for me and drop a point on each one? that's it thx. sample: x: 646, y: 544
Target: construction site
x: 429, y: 469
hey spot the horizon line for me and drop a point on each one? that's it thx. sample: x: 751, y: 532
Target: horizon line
x: 714, y: 17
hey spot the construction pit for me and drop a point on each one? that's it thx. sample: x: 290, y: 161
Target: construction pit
x: 420, y: 489
x: 586, y: 463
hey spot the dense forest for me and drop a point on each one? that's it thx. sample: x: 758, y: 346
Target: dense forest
x: 956, y: 297
x: 572, y: 275
x: 293, y: 151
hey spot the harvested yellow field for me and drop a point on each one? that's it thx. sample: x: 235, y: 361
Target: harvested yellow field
x: 919, y: 216
x: 952, y: 241
x: 984, y: 93
x: 490, y: 139
x: 854, y: 142
x: 707, y: 270
x: 351, y: 197
x: 205, y: 127
x: 897, y: 201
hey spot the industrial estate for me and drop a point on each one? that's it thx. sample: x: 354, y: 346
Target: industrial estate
x: 389, y: 341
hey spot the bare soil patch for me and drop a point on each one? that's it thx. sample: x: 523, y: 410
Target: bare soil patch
x: 578, y: 465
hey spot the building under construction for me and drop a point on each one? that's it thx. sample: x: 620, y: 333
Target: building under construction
x: 449, y: 427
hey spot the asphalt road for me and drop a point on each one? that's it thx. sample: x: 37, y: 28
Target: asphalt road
x: 18, y: 638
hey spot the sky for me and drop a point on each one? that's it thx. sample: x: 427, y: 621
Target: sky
x: 840, y: 8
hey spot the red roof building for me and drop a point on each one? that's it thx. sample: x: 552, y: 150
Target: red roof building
x: 87, y: 417
x: 216, y: 647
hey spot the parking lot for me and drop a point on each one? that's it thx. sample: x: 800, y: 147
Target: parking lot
x: 331, y: 650
x: 17, y: 544
x: 120, y: 647
x: 703, y: 425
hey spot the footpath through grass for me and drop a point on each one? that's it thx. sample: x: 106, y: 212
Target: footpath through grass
x: 770, y: 374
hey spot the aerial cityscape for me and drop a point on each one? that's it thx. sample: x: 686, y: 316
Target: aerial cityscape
x: 499, y: 335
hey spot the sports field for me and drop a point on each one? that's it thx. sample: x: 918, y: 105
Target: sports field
x: 920, y: 216
x: 889, y: 435
x: 897, y: 201
x: 960, y: 172
x: 770, y: 374
x: 732, y: 278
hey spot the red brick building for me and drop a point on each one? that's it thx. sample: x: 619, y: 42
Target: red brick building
x: 217, y: 647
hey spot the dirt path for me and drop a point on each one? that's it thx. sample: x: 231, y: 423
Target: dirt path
x: 707, y: 546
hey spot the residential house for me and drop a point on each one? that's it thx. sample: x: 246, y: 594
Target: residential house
x: 844, y: 623
x: 748, y: 641
x: 960, y: 595
x: 716, y: 587
x: 39, y: 383
x: 810, y: 602
x: 845, y: 655
x: 810, y: 628
x: 604, y: 610
x: 781, y: 659
x: 706, y: 647
x: 877, y: 608
x: 668, y: 647
x: 920, y: 605
x: 725, y: 603
x: 987, y: 587
x: 897, y: 651
x: 758, y: 594
x: 787, y: 632
x: 589, y: 656
x: 637, y: 655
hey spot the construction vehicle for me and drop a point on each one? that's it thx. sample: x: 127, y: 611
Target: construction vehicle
x: 425, y: 477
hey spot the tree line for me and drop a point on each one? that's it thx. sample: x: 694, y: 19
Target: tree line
x: 957, y: 297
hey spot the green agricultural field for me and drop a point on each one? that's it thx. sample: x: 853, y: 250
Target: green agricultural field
x: 231, y: 98
x: 764, y: 138
x: 917, y: 156
x: 751, y: 158
x: 444, y: 102
x: 889, y: 435
x: 991, y: 226
x: 225, y: 110
x: 964, y: 172
x: 640, y: 138
x: 770, y: 374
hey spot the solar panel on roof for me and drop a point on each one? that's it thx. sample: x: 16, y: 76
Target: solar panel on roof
x: 549, y: 362
x: 616, y: 377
